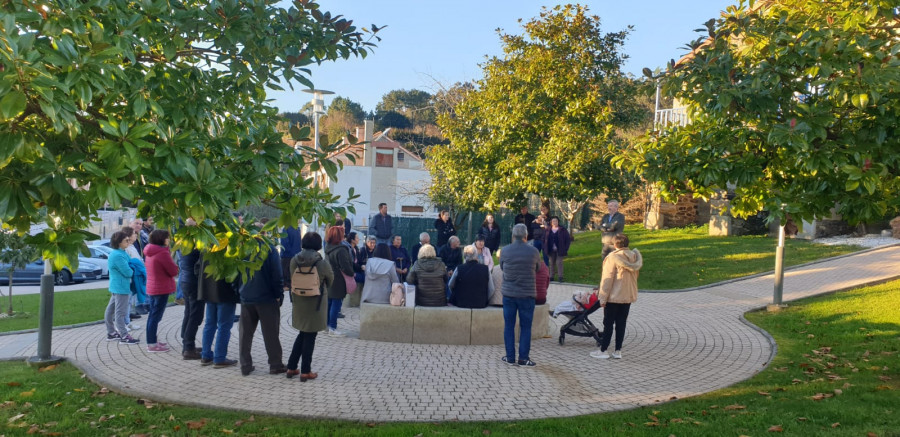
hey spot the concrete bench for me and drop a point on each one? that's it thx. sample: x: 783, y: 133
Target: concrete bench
x: 441, y: 325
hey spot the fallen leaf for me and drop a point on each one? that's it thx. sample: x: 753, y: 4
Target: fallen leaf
x: 763, y: 393
x: 883, y: 387
x: 884, y: 378
x: 776, y: 428
x: 651, y: 423
x: 177, y: 427
x: 835, y: 424
x: 15, y: 418
x: 847, y: 385
x: 139, y: 435
x: 33, y: 429
x: 802, y: 419
x: 629, y: 424
x: 238, y: 423
x: 79, y: 389
x: 653, y: 418
x: 838, y: 391
x: 82, y: 410
x: 486, y: 432
x: 48, y: 368
x: 13, y: 384
x: 196, y: 424
x: 780, y: 369
x: 735, y: 407
x: 58, y: 404
x: 676, y: 420
x: 371, y: 424
x: 171, y: 417
x: 27, y: 394
x: 227, y: 431
x: 871, y: 434
x: 102, y: 392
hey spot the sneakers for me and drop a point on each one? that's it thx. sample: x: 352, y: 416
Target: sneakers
x: 600, y: 354
x: 224, y: 364
x: 617, y: 355
x: 526, y: 363
x: 127, y: 339
x: 133, y: 326
x: 113, y: 337
x: 192, y: 354
x: 508, y: 361
x: 341, y: 315
x: 158, y: 347
x: 335, y: 333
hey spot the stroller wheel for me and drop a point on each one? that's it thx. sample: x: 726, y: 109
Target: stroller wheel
x: 562, y: 340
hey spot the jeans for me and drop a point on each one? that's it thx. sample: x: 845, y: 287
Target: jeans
x: 193, y: 316
x: 179, y: 294
x: 116, y: 312
x: 334, y: 308
x: 524, y: 307
x: 268, y: 316
x: 539, y: 245
x: 157, y: 308
x: 556, y: 265
x: 304, y: 345
x: 382, y: 241
x: 219, y: 320
x: 614, y: 314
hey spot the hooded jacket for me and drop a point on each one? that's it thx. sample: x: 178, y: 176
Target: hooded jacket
x: 620, y: 274
x: 428, y: 274
x: 161, y: 270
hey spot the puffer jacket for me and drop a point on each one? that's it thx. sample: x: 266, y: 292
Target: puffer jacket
x: 428, y: 275
x: 161, y: 270
x: 620, y: 275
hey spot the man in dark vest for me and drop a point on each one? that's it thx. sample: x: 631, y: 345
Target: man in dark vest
x: 471, y: 285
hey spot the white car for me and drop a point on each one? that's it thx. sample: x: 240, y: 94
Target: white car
x: 99, y: 256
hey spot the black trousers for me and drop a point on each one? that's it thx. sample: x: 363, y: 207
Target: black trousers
x: 303, y: 348
x: 286, y: 273
x: 193, y: 316
x: 614, y: 314
x: 268, y: 317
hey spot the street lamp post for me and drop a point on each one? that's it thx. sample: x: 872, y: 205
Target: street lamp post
x: 318, y: 104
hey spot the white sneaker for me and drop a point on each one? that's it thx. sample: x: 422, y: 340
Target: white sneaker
x: 133, y: 326
x: 600, y: 354
x: 617, y: 355
x: 335, y: 333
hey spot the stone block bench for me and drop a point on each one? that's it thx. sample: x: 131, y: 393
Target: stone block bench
x: 441, y: 325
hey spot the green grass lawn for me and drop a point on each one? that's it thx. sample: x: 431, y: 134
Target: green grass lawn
x: 690, y: 257
x: 836, y: 374
x: 69, y: 308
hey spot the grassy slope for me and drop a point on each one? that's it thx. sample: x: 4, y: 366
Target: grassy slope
x: 860, y: 326
x: 689, y: 257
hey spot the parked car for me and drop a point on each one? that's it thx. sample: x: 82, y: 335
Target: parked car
x: 99, y: 256
x: 33, y: 271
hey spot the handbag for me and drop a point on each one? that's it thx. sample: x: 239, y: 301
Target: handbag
x: 398, y: 295
x: 350, y: 282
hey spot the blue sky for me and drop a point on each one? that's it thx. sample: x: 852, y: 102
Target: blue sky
x: 444, y: 41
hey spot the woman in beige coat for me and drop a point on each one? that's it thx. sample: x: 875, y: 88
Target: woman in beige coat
x: 618, y: 290
x: 310, y: 314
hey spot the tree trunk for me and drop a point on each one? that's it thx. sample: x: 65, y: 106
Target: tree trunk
x: 9, y: 311
x: 570, y: 209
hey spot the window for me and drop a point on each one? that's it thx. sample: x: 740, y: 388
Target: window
x: 384, y: 157
x: 400, y: 156
x: 412, y: 209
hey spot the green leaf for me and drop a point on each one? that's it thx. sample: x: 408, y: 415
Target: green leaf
x: 13, y: 104
x: 851, y: 185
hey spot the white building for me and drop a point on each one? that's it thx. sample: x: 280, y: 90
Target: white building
x: 386, y: 172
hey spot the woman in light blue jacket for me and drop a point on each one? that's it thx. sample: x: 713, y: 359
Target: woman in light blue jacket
x: 120, y: 289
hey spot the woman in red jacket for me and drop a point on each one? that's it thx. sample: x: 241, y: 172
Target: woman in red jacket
x: 161, y: 274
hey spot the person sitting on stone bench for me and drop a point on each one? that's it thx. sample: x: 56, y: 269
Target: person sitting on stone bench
x: 428, y: 274
x: 471, y: 285
x: 380, y: 274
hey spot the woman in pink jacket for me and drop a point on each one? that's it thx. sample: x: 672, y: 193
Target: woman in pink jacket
x: 161, y: 274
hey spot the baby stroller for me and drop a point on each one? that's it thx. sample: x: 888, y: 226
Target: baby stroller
x: 580, y: 325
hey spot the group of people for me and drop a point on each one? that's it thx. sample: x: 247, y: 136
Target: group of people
x: 443, y: 274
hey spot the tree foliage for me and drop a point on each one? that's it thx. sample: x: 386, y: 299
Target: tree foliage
x: 793, y: 104
x: 392, y: 119
x: 415, y: 104
x: 163, y: 103
x: 542, y: 118
x: 16, y: 254
x: 353, y: 109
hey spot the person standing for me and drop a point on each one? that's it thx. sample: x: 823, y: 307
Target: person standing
x: 359, y: 273
x: 611, y: 224
x: 261, y: 299
x: 340, y: 220
x: 290, y: 247
x: 556, y: 245
x: 400, y: 257
x: 524, y: 217
x: 341, y: 264
x: 381, y: 225
x: 618, y: 290
x: 445, y: 228
x: 484, y: 254
x: 424, y: 238
x: 120, y: 289
x: 193, y: 306
x: 491, y: 233
x: 309, y: 314
x: 161, y: 274
x: 221, y: 299
x: 519, y: 262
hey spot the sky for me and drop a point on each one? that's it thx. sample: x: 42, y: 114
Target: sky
x: 430, y: 43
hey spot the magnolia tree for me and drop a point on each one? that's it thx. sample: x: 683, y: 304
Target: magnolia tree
x: 793, y: 104
x: 163, y: 104
x: 541, y: 120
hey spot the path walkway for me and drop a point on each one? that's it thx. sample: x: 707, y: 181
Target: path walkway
x: 677, y: 345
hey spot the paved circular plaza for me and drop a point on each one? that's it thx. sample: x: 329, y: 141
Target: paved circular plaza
x: 677, y: 345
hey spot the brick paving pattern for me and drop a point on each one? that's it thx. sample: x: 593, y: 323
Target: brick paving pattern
x: 677, y: 345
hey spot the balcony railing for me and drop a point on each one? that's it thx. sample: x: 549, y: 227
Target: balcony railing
x: 671, y: 117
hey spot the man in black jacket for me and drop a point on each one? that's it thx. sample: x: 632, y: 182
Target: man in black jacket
x: 445, y: 228
x: 261, y: 299
x: 525, y: 218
